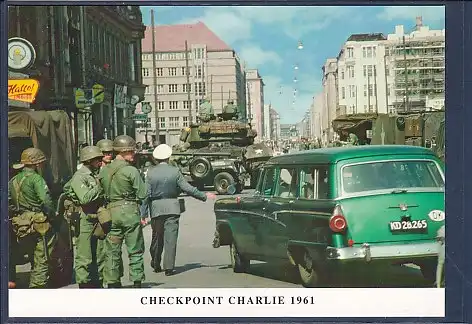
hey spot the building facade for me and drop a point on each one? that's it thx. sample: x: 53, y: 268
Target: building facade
x: 330, y: 96
x: 362, y: 75
x: 112, y: 59
x: 255, y: 101
x: 78, y: 47
x: 373, y: 77
x: 416, y: 65
x: 266, y: 122
x: 316, y: 116
x: 275, y: 125
x: 215, y: 73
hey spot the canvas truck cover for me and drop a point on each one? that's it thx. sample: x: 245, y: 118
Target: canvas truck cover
x: 51, y: 132
x: 357, y: 124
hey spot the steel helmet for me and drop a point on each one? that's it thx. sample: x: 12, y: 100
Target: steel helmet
x: 90, y: 152
x: 32, y: 156
x: 105, y: 145
x: 124, y: 143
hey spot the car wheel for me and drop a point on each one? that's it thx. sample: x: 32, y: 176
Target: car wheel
x: 222, y: 181
x: 200, y: 168
x: 238, y: 262
x: 309, y: 276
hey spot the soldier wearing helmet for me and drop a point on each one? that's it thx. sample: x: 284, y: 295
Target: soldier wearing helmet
x: 31, y: 212
x: 124, y: 190
x: 106, y: 146
x: 84, y: 190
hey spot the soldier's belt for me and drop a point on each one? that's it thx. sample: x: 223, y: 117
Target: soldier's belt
x: 121, y: 203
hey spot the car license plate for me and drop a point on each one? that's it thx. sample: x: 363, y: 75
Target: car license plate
x: 409, y: 226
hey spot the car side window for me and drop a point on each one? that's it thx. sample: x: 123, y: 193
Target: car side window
x: 287, y: 183
x: 314, y: 182
x: 268, y: 182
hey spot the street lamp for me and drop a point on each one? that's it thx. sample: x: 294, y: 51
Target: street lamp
x: 300, y: 45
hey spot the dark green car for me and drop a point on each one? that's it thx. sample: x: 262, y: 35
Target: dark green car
x: 332, y: 207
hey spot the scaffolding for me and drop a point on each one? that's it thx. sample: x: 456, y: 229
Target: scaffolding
x: 418, y: 66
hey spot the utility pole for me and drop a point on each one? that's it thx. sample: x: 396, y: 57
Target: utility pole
x: 368, y: 87
x: 190, y: 120
x: 154, y: 73
x: 375, y: 90
x: 406, y: 75
x: 386, y: 82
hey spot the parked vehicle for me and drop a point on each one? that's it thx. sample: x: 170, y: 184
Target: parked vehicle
x: 333, y: 208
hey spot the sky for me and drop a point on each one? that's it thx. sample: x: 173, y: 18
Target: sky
x: 266, y: 38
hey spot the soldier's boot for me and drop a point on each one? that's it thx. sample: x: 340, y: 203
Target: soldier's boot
x: 137, y: 284
x: 114, y: 285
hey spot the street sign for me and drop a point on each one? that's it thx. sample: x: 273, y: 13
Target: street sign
x: 142, y: 117
x: 84, y: 98
x: 98, y: 93
x: 24, y: 90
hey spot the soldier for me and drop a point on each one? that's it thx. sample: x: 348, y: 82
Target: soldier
x: 124, y: 189
x: 85, y: 191
x: 31, y: 213
x: 230, y: 108
x: 441, y: 238
x: 206, y: 111
x: 106, y: 146
x: 165, y: 183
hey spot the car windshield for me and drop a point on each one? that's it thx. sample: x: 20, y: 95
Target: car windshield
x: 395, y: 175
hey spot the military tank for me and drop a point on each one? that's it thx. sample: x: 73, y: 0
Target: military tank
x: 220, y: 151
x: 417, y: 128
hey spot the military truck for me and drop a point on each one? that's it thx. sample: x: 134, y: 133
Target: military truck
x: 417, y: 128
x: 51, y: 132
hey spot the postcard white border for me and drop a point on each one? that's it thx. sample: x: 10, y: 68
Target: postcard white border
x: 330, y: 302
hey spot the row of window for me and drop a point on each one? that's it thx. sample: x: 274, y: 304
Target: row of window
x: 368, y: 70
x: 167, y: 122
x: 367, y: 52
x: 178, y: 88
x: 107, y: 48
x: 176, y: 71
x: 178, y: 105
x: 368, y: 89
x: 197, y: 53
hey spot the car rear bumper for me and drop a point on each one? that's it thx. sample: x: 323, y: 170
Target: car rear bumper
x: 368, y: 252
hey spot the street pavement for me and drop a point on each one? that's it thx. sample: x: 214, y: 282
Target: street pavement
x: 199, y: 265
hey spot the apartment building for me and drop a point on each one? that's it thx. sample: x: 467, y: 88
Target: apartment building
x: 417, y: 68
x: 274, y: 125
x: 214, y: 72
x: 255, y: 101
x: 266, y: 122
x: 330, y: 96
x: 372, y: 75
x: 362, y: 75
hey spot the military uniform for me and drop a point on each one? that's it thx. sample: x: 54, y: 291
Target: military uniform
x: 206, y: 111
x: 124, y: 189
x: 230, y: 108
x: 31, y: 213
x: 85, y: 191
x: 106, y: 146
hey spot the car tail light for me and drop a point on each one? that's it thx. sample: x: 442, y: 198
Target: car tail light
x: 337, y: 222
x: 238, y: 200
x: 350, y: 243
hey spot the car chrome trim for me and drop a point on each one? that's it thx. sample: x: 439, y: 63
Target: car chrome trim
x: 256, y: 214
x: 343, y: 194
x: 368, y: 252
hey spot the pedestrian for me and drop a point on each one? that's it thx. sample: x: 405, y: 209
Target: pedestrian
x: 124, y: 190
x: 165, y: 183
x: 84, y: 190
x: 31, y: 214
x: 441, y: 237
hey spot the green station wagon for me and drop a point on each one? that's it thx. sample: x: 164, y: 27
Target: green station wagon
x: 339, y: 207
